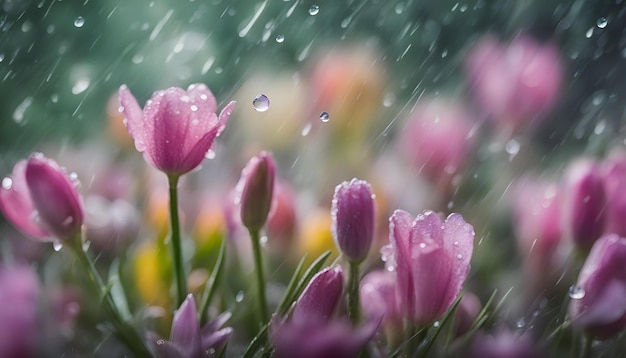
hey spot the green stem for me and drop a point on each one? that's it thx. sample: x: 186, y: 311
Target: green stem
x: 353, y: 292
x: 258, y: 268
x: 122, y: 330
x: 179, y: 270
x: 586, y: 346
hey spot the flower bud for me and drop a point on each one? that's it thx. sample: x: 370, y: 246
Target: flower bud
x: 353, y: 216
x: 320, y: 298
x: 256, y: 187
x: 599, y: 307
x: 41, y: 200
x: 586, y: 201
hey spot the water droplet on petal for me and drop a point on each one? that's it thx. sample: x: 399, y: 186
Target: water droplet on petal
x: 436, y: 324
x: 314, y: 10
x: 459, y: 256
x: 280, y: 38
x: 602, y: 22
x: 160, y: 342
x: 57, y: 245
x: 7, y: 183
x: 79, y: 22
x: 240, y: 296
x: 324, y: 117
x: 261, y: 103
x: 210, y: 154
x: 521, y: 323
x: 193, y: 108
x: 86, y: 245
x: 512, y: 147
x: 576, y: 293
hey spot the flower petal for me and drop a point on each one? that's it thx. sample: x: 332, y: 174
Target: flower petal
x: 134, y: 117
x: 185, y: 333
x: 400, y: 259
x: 17, y: 205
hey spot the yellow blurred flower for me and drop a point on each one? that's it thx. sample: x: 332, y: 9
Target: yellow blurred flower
x: 316, y: 236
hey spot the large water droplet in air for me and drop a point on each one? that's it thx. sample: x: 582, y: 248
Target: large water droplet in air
x: 280, y: 38
x: 261, y: 103
x: 602, y: 22
x: 324, y: 117
x: 576, y: 293
x: 314, y: 10
x: 79, y: 22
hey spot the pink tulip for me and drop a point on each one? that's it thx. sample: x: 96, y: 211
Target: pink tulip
x: 514, y: 83
x: 320, y: 298
x: 353, y: 212
x: 282, y: 221
x: 431, y: 260
x: 379, y: 299
x: 438, y: 137
x: 256, y: 189
x: 599, y: 305
x: 615, y: 187
x: 41, y: 200
x: 585, y: 203
x: 176, y: 128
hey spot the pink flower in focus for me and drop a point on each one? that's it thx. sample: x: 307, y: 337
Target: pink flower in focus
x: 438, y: 137
x: 41, y: 200
x: 430, y: 259
x: 176, y: 128
x: 601, y: 311
x: 514, y: 83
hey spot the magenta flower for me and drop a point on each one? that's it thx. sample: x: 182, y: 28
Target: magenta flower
x: 187, y: 339
x: 615, y: 186
x: 41, y: 200
x: 311, y: 332
x: 19, y: 292
x: 514, y: 83
x: 585, y: 203
x: 430, y: 259
x: 504, y: 343
x: 600, y: 304
x: 438, y: 137
x: 320, y: 298
x: 379, y: 299
x: 256, y: 188
x: 176, y: 128
x: 353, y: 212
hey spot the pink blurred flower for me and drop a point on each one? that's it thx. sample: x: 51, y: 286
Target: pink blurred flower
x: 311, y: 331
x: 353, y: 212
x: 176, y: 128
x: 282, y: 222
x: 41, y: 200
x: 585, y: 202
x: 514, y: 83
x: 466, y: 313
x: 19, y: 292
x: 601, y: 310
x: 430, y: 259
x: 379, y: 299
x: 615, y: 187
x: 256, y: 190
x: 438, y: 137
x: 538, y: 230
x: 503, y: 344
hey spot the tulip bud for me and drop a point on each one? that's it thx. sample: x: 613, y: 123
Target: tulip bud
x: 320, y: 298
x: 599, y: 303
x: 353, y: 216
x: 256, y: 187
x: 586, y: 215
x: 41, y: 200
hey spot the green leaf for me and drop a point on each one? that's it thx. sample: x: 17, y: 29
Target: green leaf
x: 442, y: 323
x: 212, y: 284
x: 256, y: 342
x: 283, y: 307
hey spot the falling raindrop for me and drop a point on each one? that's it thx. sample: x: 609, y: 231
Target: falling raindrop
x: 306, y: 130
x: 7, y: 183
x: 261, y: 103
x: 18, y: 114
x: 314, y: 10
x: 57, y: 245
x: 521, y: 323
x: 576, y: 293
x: 210, y: 154
x: 240, y: 296
x: 80, y: 86
x: 589, y: 33
x: 324, y: 117
x: 280, y: 38
x: 602, y: 22
x: 512, y: 147
x: 79, y: 22
x: 86, y: 245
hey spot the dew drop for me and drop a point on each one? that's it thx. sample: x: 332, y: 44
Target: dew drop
x: 7, y: 183
x: 459, y: 256
x: 263, y: 240
x: 79, y: 22
x: 589, y: 33
x: 521, y: 323
x: 210, y: 154
x: 512, y: 147
x: 193, y: 108
x: 324, y: 117
x: 576, y: 293
x: 239, y: 296
x: 80, y: 86
x: 280, y: 38
x: 160, y: 342
x: 86, y: 245
x: 57, y: 245
x: 314, y: 10
x: 422, y: 245
x: 306, y: 130
x: 261, y: 103
x: 602, y: 22
x: 436, y: 324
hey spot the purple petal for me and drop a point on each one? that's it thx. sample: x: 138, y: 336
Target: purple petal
x: 164, y: 349
x: 399, y: 235
x: 185, y: 327
x: 17, y: 205
x: 215, y: 340
x: 320, y: 298
x: 54, y: 196
x: 459, y: 244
